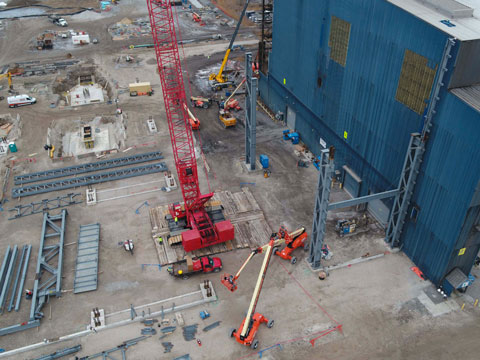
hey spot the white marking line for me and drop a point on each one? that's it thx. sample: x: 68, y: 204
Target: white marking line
x: 128, y: 186
x: 124, y: 196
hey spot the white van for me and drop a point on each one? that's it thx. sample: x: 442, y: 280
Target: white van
x: 20, y: 100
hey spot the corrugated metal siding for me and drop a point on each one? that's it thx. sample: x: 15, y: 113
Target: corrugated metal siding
x: 360, y: 99
x: 445, y: 186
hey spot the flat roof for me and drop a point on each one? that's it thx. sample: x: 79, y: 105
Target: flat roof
x: 469, y: 94
x: 464, y: 14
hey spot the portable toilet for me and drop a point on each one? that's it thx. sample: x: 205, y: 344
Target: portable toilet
x: 12, y: 147
x: 264, y: 161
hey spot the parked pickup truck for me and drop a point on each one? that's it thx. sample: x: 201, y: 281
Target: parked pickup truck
x: 187, y: 267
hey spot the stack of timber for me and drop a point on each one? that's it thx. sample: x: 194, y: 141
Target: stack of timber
x: 241, y: 208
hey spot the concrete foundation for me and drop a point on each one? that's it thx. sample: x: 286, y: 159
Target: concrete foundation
x: 85, y: 95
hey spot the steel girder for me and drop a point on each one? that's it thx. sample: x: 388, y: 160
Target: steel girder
x: 88, y: 180
x: 44, y: 205
x: 85, y: 168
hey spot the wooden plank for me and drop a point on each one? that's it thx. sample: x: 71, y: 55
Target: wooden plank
x: 245, y: 234
x: 162, y: 256
x: 171, y: 253
x: 241, y: 202
x: 251, y: 199
x: 245, y: 217
x: 251, y: 229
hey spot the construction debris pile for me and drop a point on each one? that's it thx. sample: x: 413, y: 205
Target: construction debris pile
x: 127, y: 29
x: 35, y: 67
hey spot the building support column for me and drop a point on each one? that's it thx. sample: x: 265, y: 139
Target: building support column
x: 250, y: 113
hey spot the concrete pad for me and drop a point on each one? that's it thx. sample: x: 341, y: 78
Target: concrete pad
x: 76, y: 145
x: 86, y: 95
x: 440, y: 308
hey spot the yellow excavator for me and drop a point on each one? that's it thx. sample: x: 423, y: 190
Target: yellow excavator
x: 220, y: 81
x: 9, y: 76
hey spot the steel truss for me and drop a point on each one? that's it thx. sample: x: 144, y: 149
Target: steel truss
x: 88, y: 180
x: 322, y: 196
x: 413, y: 160
x: 44, y: 205
x: 85, y: 168
x: 250, y: 113
x: 106, y: 354
x: 50, y: 260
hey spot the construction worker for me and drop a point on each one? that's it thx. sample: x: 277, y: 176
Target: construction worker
x: 28, y: 294
x: 176, y: 220
x: 160, y: 240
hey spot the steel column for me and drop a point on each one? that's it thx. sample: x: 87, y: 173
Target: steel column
x: 322, y: 196
x: 414, y: 157
x: 61, y: 353
x: 17, y: 277
x: 24, y: 275
x: 250, y: 113
x: 19, y: 327
x: 3, y: 270
x: 8, y: 278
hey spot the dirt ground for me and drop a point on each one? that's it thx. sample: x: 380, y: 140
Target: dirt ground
x: 376, y: 309
x: 55, y: 3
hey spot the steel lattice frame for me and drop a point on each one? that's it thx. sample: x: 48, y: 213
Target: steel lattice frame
x: 413, y: 160
x: 85, y: 168
x: 44, y: 205
x: 250, y: 113
x: 322, y: 196
x: 88, y: 180
x: 171, y: 78
x: 50, y: 261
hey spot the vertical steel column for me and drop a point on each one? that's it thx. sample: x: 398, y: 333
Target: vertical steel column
x: 24, y: 276
x: 3, y: 270
x: 8, y: 278
x: 322, y: 196
x: 17, y: 277
x: 414, y: 158
x: 250, y: 113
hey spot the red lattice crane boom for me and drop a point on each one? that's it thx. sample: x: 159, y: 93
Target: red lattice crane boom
x: 202, y: 231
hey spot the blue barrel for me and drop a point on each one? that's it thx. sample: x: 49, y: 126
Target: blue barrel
x: 12, y: 147
x: 264, y: 161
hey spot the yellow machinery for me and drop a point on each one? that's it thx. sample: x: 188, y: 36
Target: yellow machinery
x: 9, y: 76
x: 220, y: 81
x: 226, y: 118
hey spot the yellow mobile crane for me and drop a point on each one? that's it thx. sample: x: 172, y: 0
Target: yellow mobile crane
x: 220, y: 81
x: 9, y: 76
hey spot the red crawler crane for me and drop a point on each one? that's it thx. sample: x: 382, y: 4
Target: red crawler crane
x: 203, y: 232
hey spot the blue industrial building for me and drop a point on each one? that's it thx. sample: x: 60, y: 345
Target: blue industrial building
x: 358, y: 75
